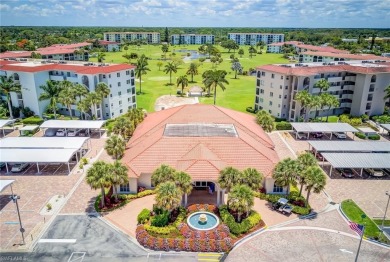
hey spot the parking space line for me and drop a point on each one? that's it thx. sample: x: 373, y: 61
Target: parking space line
x: 79, y: 256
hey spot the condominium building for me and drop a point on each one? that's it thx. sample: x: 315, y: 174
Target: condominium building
x: 328, y: 57
x: 31, y: 74
x: 300, y: 47
x: 359, y: 86
x: 254, y: 38
x: 149, y: 37
x: 109, y: 45
x: 191, y: 39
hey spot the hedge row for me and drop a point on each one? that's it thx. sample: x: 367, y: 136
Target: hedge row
x: 179, y: 244
x: 239, y: 228
x: 283, y: 125
x: 33, y: 120
x: 140, y: 194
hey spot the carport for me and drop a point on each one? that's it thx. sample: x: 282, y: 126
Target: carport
x: 386, y: 127
x: 357, y: 160
x: 34, y: 155
x: 74, y: 124
x: 322, y: 127
x: 32, y: 128
x: 5, y: 122
x: 349, y: 146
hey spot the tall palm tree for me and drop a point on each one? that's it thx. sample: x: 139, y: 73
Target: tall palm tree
x: 387, y: 94
x: 315, y: 180
x: 136, y: 115
x: 168, y: 196
x: 97, y: 177
x: 115, y: 146
x: 66, y: 98
x: 265, y: 120
x: 103, y: 91
x: 316, y: 103
x: 141, y: 69
x: 322, y: 84
x: 229, y: 177
x: 123, y: 127
x: 80, y: 90
x: 304, y: 161
x: 215, y: 78
x: 94, y: 99
x: 193, y: 70
x: 170, y: 68
x: 285, y: 173
x: 8, y: 85
x: 183, y: 181
x: 252, y: 178
x: 304, y: 98
x: 83, y: 106
x: 163, y: 174
x: 241, y: 200
x: 100, y: 57
x: 330, y: 102
x: 118, y: 176
x: 51, y: 91
x: 183, y: 81
x: 236, y: 67
x: 251, y: 51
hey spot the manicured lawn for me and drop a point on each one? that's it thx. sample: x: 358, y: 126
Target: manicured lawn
x: 239, y: 94
x: 379, y: 222
x: 331, y: 119
x: 354, y: 213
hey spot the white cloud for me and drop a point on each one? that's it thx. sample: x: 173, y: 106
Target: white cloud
x: 4, y: 7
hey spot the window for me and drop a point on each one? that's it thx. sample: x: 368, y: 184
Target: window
x: 286, y: 87
x: 284, y: 106
x: 262, y: 73
x: 132, y: 82
x: 281, y: 87
x: 261, y: 91
x: 109, y: 75
x: 120, y: 102
x: 281, y: 77
x: 128, y: 81
x: 257, y: 100
x: 112, y: 114
x: 127, y: 72
x: 277, y: 189
x: 133, y: 90
x: 106, y: 105
x: 273, y: 76
x: 287, y: 77
x: 270, y: 103
x: 110, y: 86
x: 258, y: 82
x: 121, y: 111
x: 107, y: 114
x: 124, y: 188
x: 119, y: 93
x: 285, y: 96
x: 128, y: 90
x: 110, y: 95
x: 118, y: 74
x: 270, y: 111
x: 280, y: 96
x: 133, y: 99
x: 104, y: 76
x: 119, y: 83
x: 271, y: 94
x: 112, y: 104
x: 279, y: 105
x: 261, y: 100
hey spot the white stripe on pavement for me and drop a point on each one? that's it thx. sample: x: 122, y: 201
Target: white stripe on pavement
x: 57, y: 240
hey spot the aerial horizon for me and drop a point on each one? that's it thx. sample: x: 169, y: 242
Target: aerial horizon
x: 217, y: 13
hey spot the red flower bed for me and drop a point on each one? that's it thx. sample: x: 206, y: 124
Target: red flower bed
x: 202, y: 207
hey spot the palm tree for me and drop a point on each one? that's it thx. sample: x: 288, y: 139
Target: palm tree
x: 66, y: 98
x: 170, y: 68
x: 304, y: 98
x: 183, y: 81
x: 327, y: 100
x: 159, y: 65
x: 316, y: 103
x: 285, y: 173
x: 80, y: 90
x: 241, y: 52
x: 183, y: 181
x: 322, y: 84
x: 118, y: 176
x: 94, y: 99
x: 251, y: 51
x: 141, y: 69
x: 97, y: 177
x: 265, y: 120
x: 123, y: 127
x: 51, y: 91
x: 83, y: 106
x: 387, y: 94
x: 103, y: 91
x: 163, y: 174
x: 192, y: 70
x: 100, y: 57
x: 236, y: 67
x: 115, y: 146
x: 315, y: 180
x: 304, y: 161
x: 252, y: 178
x: 168, y: 196
x: 135, y: 115
x: 241, y: 200
x: 215, y: 78
x: 8, y: 85
x: 229, y: 177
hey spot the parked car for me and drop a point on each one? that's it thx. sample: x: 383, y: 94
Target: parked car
x: 73, y: 132
x: 2, y: 164
x: 346, y: 172
x: 19, y: 167
x: 282, y: 206
x: 317, y: 134
x: 301, y: 135
x: 340, y: 135
x: 50, y: 132
x: 375, y: 172
x: 60, y: 132
x: 83, y: 132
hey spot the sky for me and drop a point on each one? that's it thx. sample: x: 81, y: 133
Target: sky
x: 197, y: 13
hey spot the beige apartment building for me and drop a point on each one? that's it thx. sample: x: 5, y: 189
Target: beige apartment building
x: 149, y: 37
x: 359, y: 86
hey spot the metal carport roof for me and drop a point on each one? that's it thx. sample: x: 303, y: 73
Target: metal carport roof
x: 4, y: 122
x: 358, y: 160
x: 16, y: 155
x: 5, y: 183
x: 74, y: 124
x: 43, y: 142
x: 323, y: 127
x: 350, y: 146
x: 386, y: 126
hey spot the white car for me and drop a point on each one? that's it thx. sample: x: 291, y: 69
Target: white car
x: 19, y: 167
x: 60, y: 132
x: 73, y: 132
x: 301, y: 135
x: 340, y: 135
x: 375, y: 172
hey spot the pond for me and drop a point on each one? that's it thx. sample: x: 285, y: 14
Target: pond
x: 194, y: 54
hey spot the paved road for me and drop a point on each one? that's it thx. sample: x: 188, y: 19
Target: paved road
x: 91, y: 239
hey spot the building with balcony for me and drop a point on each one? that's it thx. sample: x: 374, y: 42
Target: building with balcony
x: 119, y: 37
x: 329, y: 57
x: 359, y: 86
x: 191, y: 39
x: 254, y: 38
x: 300, y: 47
x: 31, y: 74
x: 109, y: 45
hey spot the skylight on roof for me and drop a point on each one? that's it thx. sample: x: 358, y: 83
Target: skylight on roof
x: 200, y: 130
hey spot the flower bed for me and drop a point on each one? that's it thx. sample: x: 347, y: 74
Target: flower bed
x: 239, y: 228
x: 202, y: 207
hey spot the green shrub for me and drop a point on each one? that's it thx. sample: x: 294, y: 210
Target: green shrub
x: 301, y: 210
x: 202, y: 59
x: 143, y: 216
x: 132, y: 196
x: 356, y: 121
x: 374, y: 137
x: 49, y: 206
x: 360, y: 135
x: 239, y: 228
x: 283, y: 125
x: 251, y: 110
x: 146, y: 193
x: 33, y: 120
x: 160, y: 220
x: 161, y: 230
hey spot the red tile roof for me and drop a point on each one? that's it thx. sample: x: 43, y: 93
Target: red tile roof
x: 201, y: 157
x: 15, y: 54
x: 348, y: 56
x: 321, y: 48
x: 103, y: 42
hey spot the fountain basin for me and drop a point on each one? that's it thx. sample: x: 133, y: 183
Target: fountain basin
x: 203, y: 220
